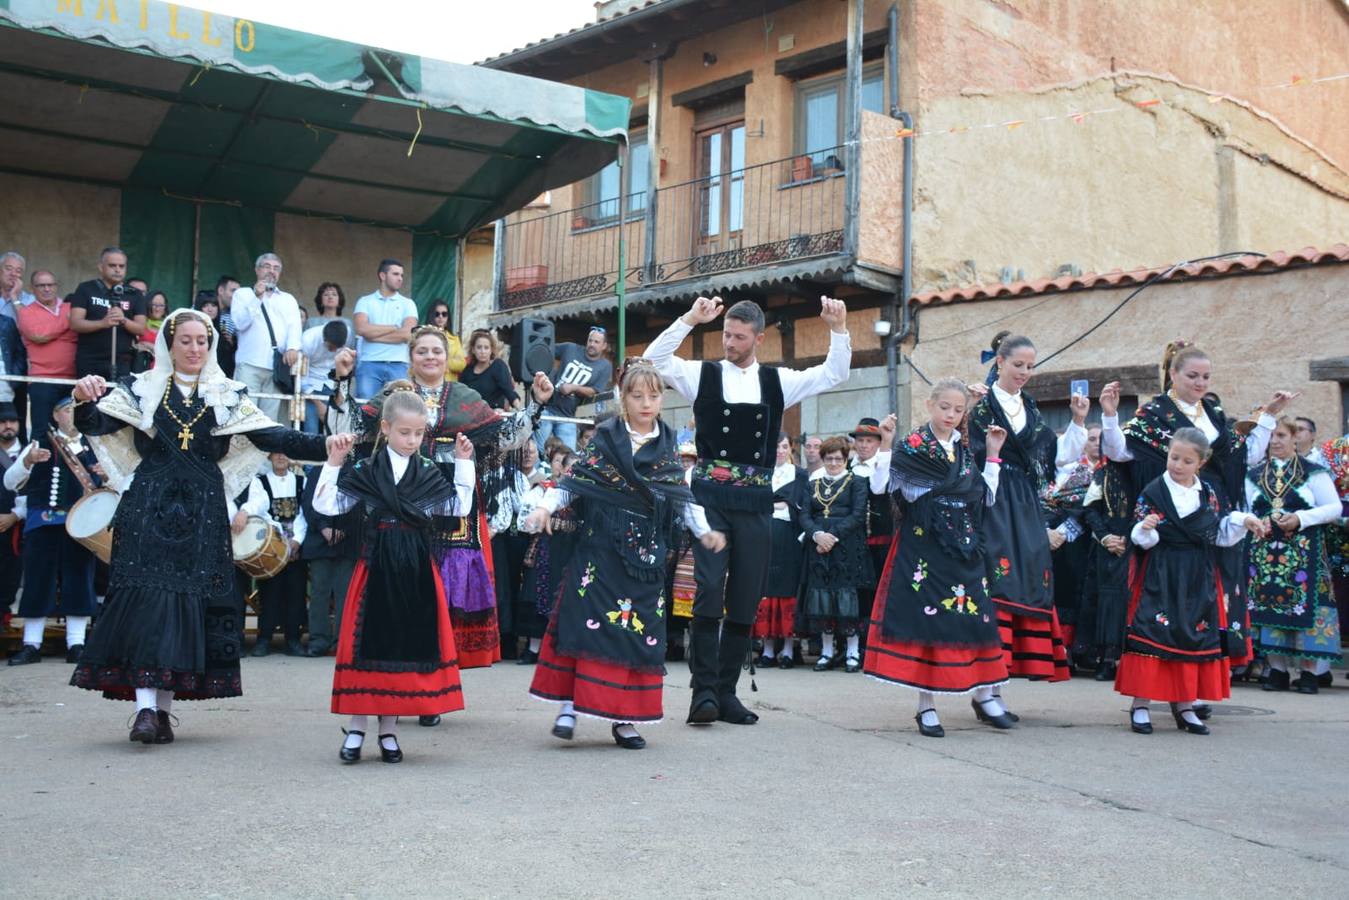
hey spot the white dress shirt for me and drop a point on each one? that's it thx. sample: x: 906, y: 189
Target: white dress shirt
x: 255, y: 345
x: 783, y: 475
x: 1231, y: 529
x: 694, y: 516
x: 1318, y: 492
x: 881, y: 474
x: 283, y: 487
x: 741, y: 385
x: 329, y: 501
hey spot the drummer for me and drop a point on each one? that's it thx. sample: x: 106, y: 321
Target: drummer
x: 55, y: 565
x: 282, y: 597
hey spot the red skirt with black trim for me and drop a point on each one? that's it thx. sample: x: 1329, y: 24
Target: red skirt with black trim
x: 365, y: 692
x: 776, y: 618
x: 922, y: 666
x: 1033, y: 648
x: 1172, y: 681
x: 598, y: 689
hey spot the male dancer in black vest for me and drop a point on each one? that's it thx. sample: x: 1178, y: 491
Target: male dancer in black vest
x: 738, y: 407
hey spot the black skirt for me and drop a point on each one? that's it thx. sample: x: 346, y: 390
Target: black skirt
x: 1016, y: 548
x: 784, y: 565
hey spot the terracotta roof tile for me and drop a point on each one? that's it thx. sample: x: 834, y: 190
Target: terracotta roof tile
x: 1214, y: 268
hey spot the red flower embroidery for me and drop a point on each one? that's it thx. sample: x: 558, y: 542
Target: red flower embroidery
x: 1005, y: 563
x: 915, y: 440
x: 721, y: 474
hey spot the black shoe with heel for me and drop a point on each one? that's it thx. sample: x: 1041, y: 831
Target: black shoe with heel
x: 1275, y: 680
x: 1137, y: 727
x: 1003, y: 720
x: 929, y: 730
x: 428, y: 721
x: 390, y: 756
x: 1306, y: 683
x: 351, y: 754
x: 1181, y: 724
x: 635, y: 742
x: 563, y: 731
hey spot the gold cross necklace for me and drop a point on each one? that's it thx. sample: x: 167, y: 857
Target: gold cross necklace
x: 185, y: 432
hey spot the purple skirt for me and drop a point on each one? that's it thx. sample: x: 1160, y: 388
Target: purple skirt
x: 468, y: 587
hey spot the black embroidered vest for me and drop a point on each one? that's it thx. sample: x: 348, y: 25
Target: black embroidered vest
x: 284, y: 510
x: 736, y: 443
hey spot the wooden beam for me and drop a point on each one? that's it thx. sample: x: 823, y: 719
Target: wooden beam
x: 829, y: 57
x: 1135, y: 381
x: 715, y: 90
x: 1335, y: 368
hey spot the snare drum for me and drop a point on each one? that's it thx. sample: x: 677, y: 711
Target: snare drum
x: 260, y: 549
x: 90, y: 521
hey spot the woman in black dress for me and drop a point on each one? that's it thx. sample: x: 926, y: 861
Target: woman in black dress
x: 1018, y: 542
x: 173, y: 618
x: 488, y: 374
x: 833, y: 518
x: 777, y: 610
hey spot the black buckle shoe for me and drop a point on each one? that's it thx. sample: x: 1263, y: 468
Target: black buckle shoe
x: 27, y: 655
x: 929, y: 730
x: 428, y: 721
x: 854, y: 664
x: 1137, y: 727
x: 527, y: 658
x: 73, y: 653
x: 564, y: 732
x: 390, y: 756
x: 1179, y: 715
x: 351, y: 754
x: 786, y: 662
x: 1003, y: 720
x: 1306, y: 683
x: 636, y: 742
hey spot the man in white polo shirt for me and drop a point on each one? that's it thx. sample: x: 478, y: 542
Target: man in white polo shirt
x: 384, y: 323
x: 253, y: 358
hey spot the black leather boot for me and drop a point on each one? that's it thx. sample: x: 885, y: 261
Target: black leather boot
x: 735, y: 648
x: 703, y: 651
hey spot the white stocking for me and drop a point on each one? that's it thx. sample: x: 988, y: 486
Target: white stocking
x: 76, y: 628
x: 32, y: 631
x: 989, y: 701
x: 164, y: 700
x: 927, y: 709
x: 146, y: 698
x: 1277, y: 663
x: 852, y: 646
x: 354, y: 740
x: 768, y: 651
x: 787, y: 648
x: 388, y: 729
x: 1139, y: 711
x: 626, y: 730
x: 535, y: 644
x: 827, y: 645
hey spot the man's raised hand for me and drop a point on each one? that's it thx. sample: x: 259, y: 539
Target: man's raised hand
x: 835, y: 313
x: 704, y: 310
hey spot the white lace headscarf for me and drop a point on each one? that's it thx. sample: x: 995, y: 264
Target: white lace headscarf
x: 220, y: 392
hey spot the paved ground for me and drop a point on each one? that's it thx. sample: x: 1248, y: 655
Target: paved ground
x: 832, y: 792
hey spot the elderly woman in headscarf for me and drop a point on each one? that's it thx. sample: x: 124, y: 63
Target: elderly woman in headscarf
x: 180, y: 441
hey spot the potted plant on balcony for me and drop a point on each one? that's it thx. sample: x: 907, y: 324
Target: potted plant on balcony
x: 803, y: 168
x: 579, y: 221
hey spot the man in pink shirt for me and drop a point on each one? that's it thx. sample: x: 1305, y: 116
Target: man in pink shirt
x: 50, y: 342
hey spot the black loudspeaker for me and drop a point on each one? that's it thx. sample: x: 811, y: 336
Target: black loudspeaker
x: 532, y: 349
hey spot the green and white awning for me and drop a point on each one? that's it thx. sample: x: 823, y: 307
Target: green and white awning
x: 154, y: 95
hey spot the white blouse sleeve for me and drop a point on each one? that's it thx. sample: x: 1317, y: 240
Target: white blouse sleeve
x: 696, y: 519
x: 1326, y: 498
x: 880, y: 473
x: 1144, y: 538
x: 992, y: 472
x: 1232, y: 528
x: 1257, y: 442
x: 554, y: 499
x: 1113, y: 444
x: 462, y: 501
x: 328, y: 500
x: 1071, y: 444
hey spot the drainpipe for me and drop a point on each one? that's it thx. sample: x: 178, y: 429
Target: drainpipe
x: 852, y: 133
x: 900, y: 308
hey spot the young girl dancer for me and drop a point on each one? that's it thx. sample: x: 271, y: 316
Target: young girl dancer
x: 1173, y: 650
x: 395, y: 652
x: 933, y: 627
x: 1017, y: 541
x: 777, y: 609
x: 603, y: 654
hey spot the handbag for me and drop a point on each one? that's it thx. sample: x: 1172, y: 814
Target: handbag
x: 281, y: 375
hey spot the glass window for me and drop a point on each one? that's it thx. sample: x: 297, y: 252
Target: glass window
x: 602, y: 189
x: 821, y: 112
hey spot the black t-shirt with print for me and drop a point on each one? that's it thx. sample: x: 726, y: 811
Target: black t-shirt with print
x: 93, y: 352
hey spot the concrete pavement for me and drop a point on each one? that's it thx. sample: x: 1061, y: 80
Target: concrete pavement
x: 833, y: 792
